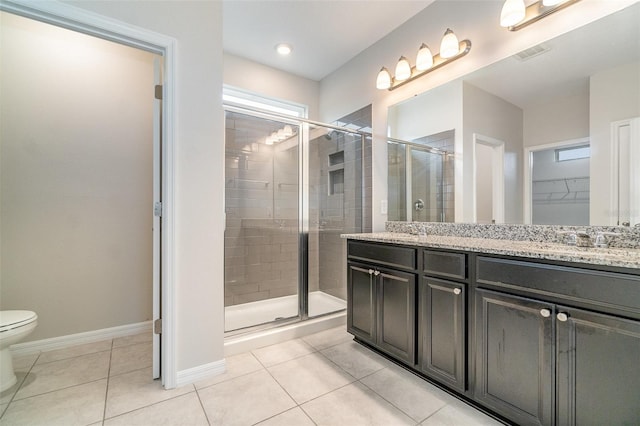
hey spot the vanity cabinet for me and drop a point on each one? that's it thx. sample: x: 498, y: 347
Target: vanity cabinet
x: 535, y: 342
x: 514, y: 357
x: 442, y: 318
x: 539, y: 360
x: 381, y: 300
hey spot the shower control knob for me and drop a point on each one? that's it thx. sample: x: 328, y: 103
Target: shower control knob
x: 546, y: 313
x: 457, y: 291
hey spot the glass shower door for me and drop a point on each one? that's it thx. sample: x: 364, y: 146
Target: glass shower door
x: 262, y: 222
x: 335, y: 207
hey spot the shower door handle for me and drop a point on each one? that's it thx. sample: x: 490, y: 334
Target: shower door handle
x: 418, y: 205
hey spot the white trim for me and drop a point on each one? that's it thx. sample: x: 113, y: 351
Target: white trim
x: 62, y: 342
x: 246, y: 342
x: 201, y: 372
x: 634, y: 157
x: 497, y: 157
x: 528, y: 165
x: 90, y: 23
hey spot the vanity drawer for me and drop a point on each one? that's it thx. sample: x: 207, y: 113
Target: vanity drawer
x: 444, y: 264
x: 399, y: 257
x: 609, y: 291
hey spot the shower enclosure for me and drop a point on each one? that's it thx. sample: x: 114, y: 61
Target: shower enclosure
x: 292, y: 187
x: 421, y: 179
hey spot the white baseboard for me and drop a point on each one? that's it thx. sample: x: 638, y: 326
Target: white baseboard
x: 61, y: 342
x: 201, y: 372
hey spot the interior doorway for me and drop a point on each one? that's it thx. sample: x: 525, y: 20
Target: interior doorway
x: 82, y: 171
x: 488, y: 178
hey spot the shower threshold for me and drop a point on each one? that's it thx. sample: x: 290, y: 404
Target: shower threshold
x: 278, y: 309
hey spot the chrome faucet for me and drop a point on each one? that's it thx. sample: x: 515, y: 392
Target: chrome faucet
x: 601, y: 239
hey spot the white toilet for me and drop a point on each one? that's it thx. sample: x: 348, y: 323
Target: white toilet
x: 14, y: 326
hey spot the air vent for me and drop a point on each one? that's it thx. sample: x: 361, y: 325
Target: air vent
x: 527, y: 54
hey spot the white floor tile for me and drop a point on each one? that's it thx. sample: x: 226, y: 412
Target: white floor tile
x: 237, y: 365
x: 132, y: 357
x: 182, y: 410
x: 414, y: 396
x: 354, y: 405
x: 77, y: 405
x: 133, y: 339
x: 326, y: 339
x: 275, y: 354
x: 459, y: 413
x: 130, y: 391
x: 61, y: 374
x: 310, y: 376
x: 74, y: 351
x: 244, y: 400
x: 355, y: 360
x: 293, y: 417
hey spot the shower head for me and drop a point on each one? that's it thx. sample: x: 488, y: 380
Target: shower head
x: 329, y: 135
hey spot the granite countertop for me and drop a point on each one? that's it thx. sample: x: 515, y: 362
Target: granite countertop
x: 618, y: 257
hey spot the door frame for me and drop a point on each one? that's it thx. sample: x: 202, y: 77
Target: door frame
x: 86, y: 22
x: 633, y: 153
x: 497, y: 185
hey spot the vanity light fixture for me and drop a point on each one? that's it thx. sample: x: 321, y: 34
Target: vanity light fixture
x: 515, y: 15
x: 450, y: 50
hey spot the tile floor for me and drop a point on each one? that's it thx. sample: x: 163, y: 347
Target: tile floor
x: 321, y: 379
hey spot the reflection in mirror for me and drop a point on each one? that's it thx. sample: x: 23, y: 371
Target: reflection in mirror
x: 560, y: 185
x: 582, y: 85
x: 421, y: 179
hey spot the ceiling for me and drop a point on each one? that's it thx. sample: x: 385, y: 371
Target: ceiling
x: 567, y: 63
x: 325, y: 34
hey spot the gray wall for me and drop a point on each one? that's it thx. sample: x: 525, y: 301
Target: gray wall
x: 76, y: 178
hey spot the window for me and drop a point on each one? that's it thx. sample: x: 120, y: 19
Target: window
x: 573, y: 153
x: 234, y: 96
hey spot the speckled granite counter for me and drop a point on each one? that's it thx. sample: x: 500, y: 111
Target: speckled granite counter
x: 618, y: 257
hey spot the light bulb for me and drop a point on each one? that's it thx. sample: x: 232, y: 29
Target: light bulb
x: 424, y: 60
x: 288, y: 131
x: 513, y: 11
x: 384, y: 79
x: 449, y: 47
x: 268, y: 140
x: 403, y: 69
x: 284, y: 49
x: 281, y: 135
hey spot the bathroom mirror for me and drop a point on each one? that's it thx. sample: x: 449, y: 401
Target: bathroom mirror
x: 550, y: 102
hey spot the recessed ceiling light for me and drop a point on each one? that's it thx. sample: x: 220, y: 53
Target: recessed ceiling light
x: 284, y: 49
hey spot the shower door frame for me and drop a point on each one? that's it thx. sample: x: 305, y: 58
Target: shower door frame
x: 408, y: 172
x: 304, y: 125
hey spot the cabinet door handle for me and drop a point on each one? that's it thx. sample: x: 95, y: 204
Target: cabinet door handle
x: 376, y: 273
x: 371, y: 271
x: 457, y: 291
x: 562, y: 316
x: 545, y: 313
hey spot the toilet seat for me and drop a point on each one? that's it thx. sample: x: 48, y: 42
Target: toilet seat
x: 14, y: 319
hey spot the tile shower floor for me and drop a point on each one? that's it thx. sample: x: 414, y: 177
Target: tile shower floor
x: 321, y: 379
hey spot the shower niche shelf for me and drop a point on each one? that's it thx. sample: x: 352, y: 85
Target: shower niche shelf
x: 336, y: 173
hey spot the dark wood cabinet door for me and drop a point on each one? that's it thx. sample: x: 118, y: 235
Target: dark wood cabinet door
x: 397, y: 314
x: 441, y: 328
x: 361, y: 302
x: 515, y: 357
x: 598, y: 369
